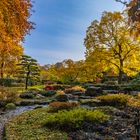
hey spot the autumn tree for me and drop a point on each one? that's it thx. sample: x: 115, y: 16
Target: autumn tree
x: 14, y: 20
x: 133, y: 11
x: 9, y: 57
x: 28, y: 70
x: 14, y: 25
x: 69, y: 71
x: 109, y: 41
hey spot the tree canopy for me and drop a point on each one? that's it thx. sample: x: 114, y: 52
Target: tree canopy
x: 14, y: 20
x: 28, y: 70
x: 109, y: 43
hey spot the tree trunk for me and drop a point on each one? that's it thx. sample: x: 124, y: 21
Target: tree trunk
x: 121, y: 65
x: 2, y: 73
x: 120, y: 77
x: 27, y: 78
x: 120, y: 72
x: 26, y: 83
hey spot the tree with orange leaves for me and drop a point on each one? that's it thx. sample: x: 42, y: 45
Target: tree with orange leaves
x: 9, y: 57
x: 14, y: 20
x: 14, y: 25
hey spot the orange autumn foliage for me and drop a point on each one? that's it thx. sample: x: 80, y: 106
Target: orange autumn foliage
x: 14, y: 23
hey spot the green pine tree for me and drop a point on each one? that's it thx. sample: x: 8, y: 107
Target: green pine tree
x: 28, y: 70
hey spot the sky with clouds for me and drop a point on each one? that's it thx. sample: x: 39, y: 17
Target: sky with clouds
x: 61, y: 27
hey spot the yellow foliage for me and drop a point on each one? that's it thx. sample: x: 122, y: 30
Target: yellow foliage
x: 60, y: 92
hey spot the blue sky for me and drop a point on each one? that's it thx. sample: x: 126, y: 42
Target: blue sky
x: 61, y: 26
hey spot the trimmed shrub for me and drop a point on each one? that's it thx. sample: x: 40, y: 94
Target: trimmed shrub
x: 47, y: 93
x: 10, y: 106
x: 73, y: 119
x: 53, y: 87
x: 62, y: 98
x: 28, y: 95
x: 7, y: 96
x: 59, y: 92
x: 114, y: 99
x: 7, y: 82
x: 138, y: 95
x: 74, y: 89
x: 55, y: 106
x: 111, y: 82
x: 94, y: 91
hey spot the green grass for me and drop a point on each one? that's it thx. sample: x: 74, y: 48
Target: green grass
x: 38, y: 87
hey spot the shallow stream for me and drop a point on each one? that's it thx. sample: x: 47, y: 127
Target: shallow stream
x: 5, y: 116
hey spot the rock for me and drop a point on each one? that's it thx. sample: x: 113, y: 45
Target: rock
x: 27, y: 95
x: 25, y: 103
x: 39, y: 96
x: 2, y: 104
x: 122, y: 136
x: 72, y: 97
x: 62, y: 98
x: 78, y: 93
x: 85, y: 97
x: 93, y: 91
x: 38, y: 107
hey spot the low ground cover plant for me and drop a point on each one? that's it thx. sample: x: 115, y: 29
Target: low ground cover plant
x: 60, y: 92
x: 120, y: 100
x: 73, y: 119
x: 114, y: 99
x: 7, y: 95
x: 74, y: 89
x: 47, y: 93
x: 10, y: 106
x: 30, y: 126
x: 28, y: 95
x: 55, y: 106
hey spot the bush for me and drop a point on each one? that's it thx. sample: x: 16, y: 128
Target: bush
x: 62, y: 98
x: 60, y: 92
x: 47, y: 93
x: 7, y: 82
x: 7, y: 96
x: 53, y: 87
x: 74, y: 89
x: 28, y: 95
x: 111, y: 82
x: 138, y: 95
x: 73, y: 119
x: 114, y: 99
x: 10, y: 106
x: 107, y: 87
x: 55, y: 106
x: 94, y: 91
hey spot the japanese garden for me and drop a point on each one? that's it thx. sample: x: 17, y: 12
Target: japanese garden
x: 59, y: 95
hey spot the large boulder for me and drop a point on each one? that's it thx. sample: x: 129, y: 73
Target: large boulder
x: 93, y: 91
x: 62, y: 98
